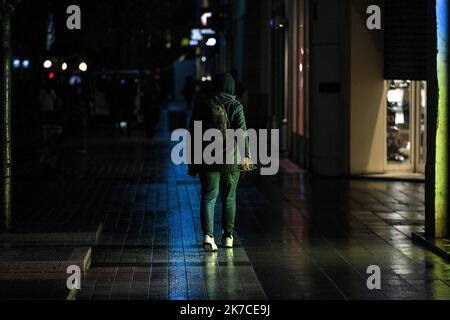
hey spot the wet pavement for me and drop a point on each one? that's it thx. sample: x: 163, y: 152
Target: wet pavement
x: 298, y: 237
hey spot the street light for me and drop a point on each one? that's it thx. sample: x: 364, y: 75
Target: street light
x: 16, y: 63
x: 64, y: 66
x: 48, y: 64
x: 279, y: 22
x: 83, y: 67
x: 26, y: 64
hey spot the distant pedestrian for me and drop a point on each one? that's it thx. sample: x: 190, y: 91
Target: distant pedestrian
x: 114, y: 102
x: 47, y: 101
x: 151, y: 106
x: 189, y: 92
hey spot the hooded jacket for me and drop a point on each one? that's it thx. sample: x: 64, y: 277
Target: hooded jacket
x: 223, y: 90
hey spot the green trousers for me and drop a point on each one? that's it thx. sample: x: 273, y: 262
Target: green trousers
x: 212, y: 183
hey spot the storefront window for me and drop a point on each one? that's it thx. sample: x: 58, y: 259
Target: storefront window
x: 423, y: 123
x: 399, y: 122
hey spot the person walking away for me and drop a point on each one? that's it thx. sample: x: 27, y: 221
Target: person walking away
x: 151, y: 107
x: 221, y: 111
x: 47, y: 101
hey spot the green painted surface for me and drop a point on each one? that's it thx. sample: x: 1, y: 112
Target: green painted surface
x: 441, y: 199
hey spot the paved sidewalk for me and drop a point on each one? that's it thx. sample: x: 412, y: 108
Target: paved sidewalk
x: 151, y: 244
x: 297, y: 237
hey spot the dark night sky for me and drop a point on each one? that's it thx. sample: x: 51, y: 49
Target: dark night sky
x: 114, y: 33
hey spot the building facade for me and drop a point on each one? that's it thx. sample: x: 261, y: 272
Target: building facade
x: 349, y: 100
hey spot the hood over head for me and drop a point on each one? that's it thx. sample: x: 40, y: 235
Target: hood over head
x: 224, y: 83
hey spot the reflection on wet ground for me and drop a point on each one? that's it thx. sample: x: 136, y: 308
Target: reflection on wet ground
x: 298, y: 237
